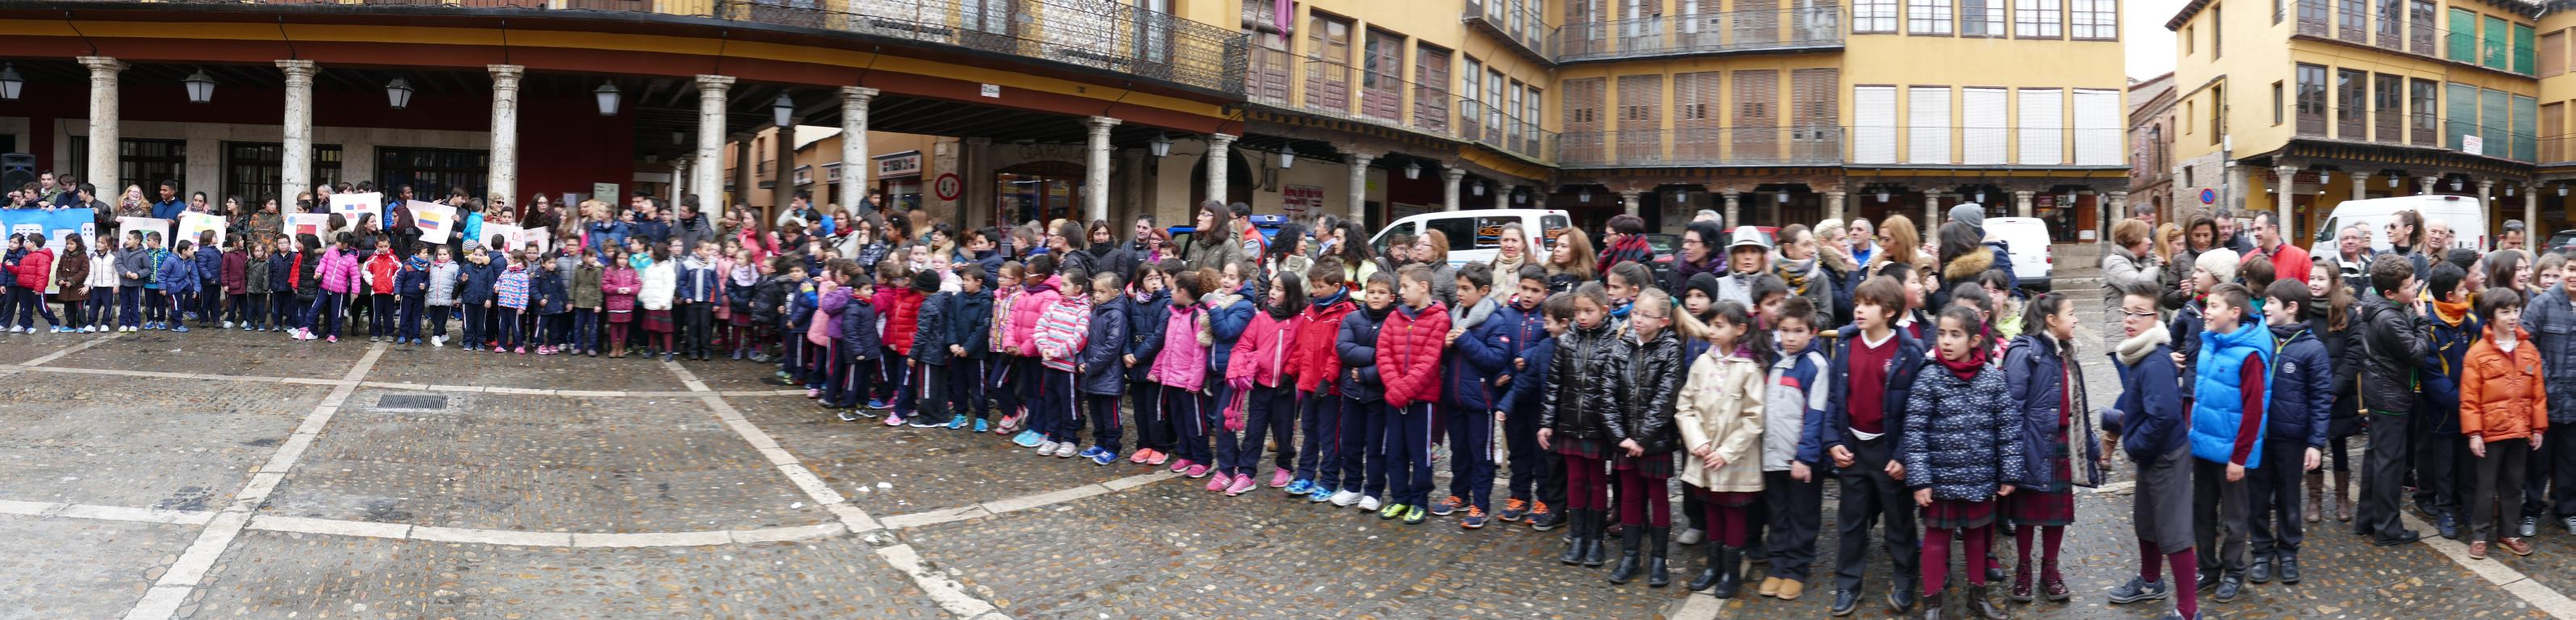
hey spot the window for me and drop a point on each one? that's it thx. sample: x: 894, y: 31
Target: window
x: 1928, y: 125
x: 1927, y: 16
x: 2217, y: 32
x: 2280, y: 8
x: 2425, y: 129
x: 2315, y: 17
x: 1470, y: 86
x: 2038, y: 19
x: 2387, y: 107
x: 1641, y: 118
x: 2462, y: 44
x: 2311, y: 100
x: 2553, y: 53
x: 2419, y: 27
x: 2188, y: 116
x: 431, y: 172
x: 1431, y: 87
x: 2354, y: 20
x: 253, y: 171
x: 2190, y: 36
x: 2391, y: 15
x: 1874, y: 120
x: 1382, y: 75
x: 2553, y: 123
x: 1982, y: 124
x: 2351, y: 95
x: 2526, y: 117
x: 2099, y: 121
x: 2042, y: 115
x: 2498, y: 53
x: 2096, y: 19
x: 1981, y: 18
x: 1873, y: 16
x: 1328, y: 66
x: 1494, y: 105
x: 2276, y: 103
x: 2217, y: 112
x: 2459, y: 113
x: 147, y: 162
x: 2522, y: 49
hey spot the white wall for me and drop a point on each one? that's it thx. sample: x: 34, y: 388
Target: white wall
x: 205, y: 145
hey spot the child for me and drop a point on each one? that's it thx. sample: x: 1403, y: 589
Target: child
x: 1793, y: 415
x: 178, y: 280
x: 1180, y: 368
x: 2500, y: 407
x: 618, y: 282
x: 209, y: 256
x: 902, y: 311
x: 1363, y: 468
x: 547, y: 301
x: 1057, y: 336
x: 1467, y: 396
x: 1720, y: 414
x: 104, y: 289
x: 1264, y: 399
x: 306, y: 275
x: 2546, y: 272
x: 1961, y: 408
x: 156, y: 302
x: 2302, y: 404
x: 2152, y: 419
x: 70, y: 279
x: 1622, y: 285
x: 1007, y: 362
x: 1586, y: 378
x: 133, y: 269
x: 1038, y: 284
x: 769, y: 302
x: 970, y: 319
x: 445, y: 276
x: 256, y: 287
x: 2440, y: 474
x: 661, y: 279
x: 930, y: 352
x: 1317, y: 365
x: 1910, y: 318
x: 742, y: 281
x: 1516, y: 333
x: 340, y: 278
x: 2047, y: 386
x: 847, y: 318
x: 1408, y: 362
x: 1230, y: 310
x: 2230, y: 397
x: 31, y: 273
x: 1644, y: 427
x: 1149, y: 307
x: 413, y: 284
x: 236, y: 280
x: 512, y: 293
x: 1102, y: 377
x: 1872, y: 377
x: 381, y: 270
x: 587, y: 300
x: 700, y: 290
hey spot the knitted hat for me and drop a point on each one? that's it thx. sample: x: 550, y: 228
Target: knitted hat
x: 926, y: 281
x: 2221, y: 263
x: 1970, y: 213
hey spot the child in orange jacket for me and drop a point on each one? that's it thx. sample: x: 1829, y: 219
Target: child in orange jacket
x: 2504, y: 411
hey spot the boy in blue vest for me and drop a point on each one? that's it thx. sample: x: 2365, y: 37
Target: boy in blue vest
x: 2438, y: 467
x: 2303, y: 398
x: 2231, y: 387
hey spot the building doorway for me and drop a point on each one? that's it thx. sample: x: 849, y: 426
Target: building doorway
x: 1038, y: 190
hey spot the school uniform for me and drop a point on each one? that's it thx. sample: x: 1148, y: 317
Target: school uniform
x: 2302, y: 404
x: 1268, y: 405
x: 970, y: 321
x: 480, y: 279
x: 1145, y: 323
x: 179, y: 282
x: 381, y: 271
x: 2500, y: 403
x: 1364, y: 412
x: 210, y: 284
x: 1228, y: 315
x: 930, y: 356
x: 1408, y: 363
x: 413, y: 286
x: 2443, y: 471
x: 848, y: 323
x: 1871, y: 382
x: 698, y: 293
x: 1316, y: 365
x: 1536, y: 474
x: 236, y: 281
x: 1962, y: 441
x: 586, y: 300
x: 2230, y: 397
x: 1103, y: 378
x: 546, y: 302
x: 901, y: 308
x: 1059, y: 335
x: 512, y: 298
x: 1793, y: 421
x: 129, y: 288
x: 104, y: 287
x: 156, y: 299
x: 281, y: 292
x: 1004, y: 367
x: 1467, y: 397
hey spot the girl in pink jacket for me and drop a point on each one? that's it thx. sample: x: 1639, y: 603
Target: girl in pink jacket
x: 1057, y: 339
x: 1037, y: 293
x: 1181, y: 368
x: 1266, y: 395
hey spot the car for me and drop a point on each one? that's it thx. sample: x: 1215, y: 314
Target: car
x: 1268, y: 225
x: 2564, y: 242
x: 1475, y: 235
x: 1666, y: 247
x: 2033, y: 258
x: 2463, y: 213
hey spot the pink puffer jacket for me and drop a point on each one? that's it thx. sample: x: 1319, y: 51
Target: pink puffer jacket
x: 1032, y: 304
x: 339, y: 271
x: 1183, y: 362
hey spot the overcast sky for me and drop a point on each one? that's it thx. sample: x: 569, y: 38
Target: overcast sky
x: 2142, y: 29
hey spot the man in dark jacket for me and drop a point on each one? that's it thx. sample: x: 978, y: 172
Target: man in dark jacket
x: 2392, y: 344
x: 2551, y: 320
x: 1873, y: 373
x: 692, y: 226
x: 2302, y: 402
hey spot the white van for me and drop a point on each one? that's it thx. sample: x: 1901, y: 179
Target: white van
x: 1475, y: 235
x: 2034, y: 260
x: 2467, y: 218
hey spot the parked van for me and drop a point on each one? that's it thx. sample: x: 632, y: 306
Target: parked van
x: 2467, y: 218
x: 1475, y: 235
x: 2034, y: 260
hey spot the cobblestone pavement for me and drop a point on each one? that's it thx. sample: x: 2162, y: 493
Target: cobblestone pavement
x: 221, y: 474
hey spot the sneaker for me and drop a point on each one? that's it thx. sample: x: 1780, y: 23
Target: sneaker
x: 1195, y: 470
x: 1475, y: 519
x: 2138, y: 589
x: 1105, y: 457
x: 1064, y: 450
x: 1413, y: 515
x: 1139, y: 456
x: 86, y: 329
x: 1391, y: 511
x: 809, y: 392
x: 1026, y: 439
x: 1047, y: 447
x: 437, y: 341
x: 375, y: 339
x: 919, y: 420
x: 957, y: 422
x: 1690, y: 536
x: 184, y: 329
x: 2478, y: 550
x: 1368, y: 503
x: 1447, y: 505
x: 894, y: 420
x: 2530, y: 526
x: 1301, y: 487
x: 849, y: 416
x: 1512, y: 510
x: 1241, y: 485
x: 1345, y: 498
x: 1541, y: 518
x: 1281, y: 478
x: 1320, y: 495
x: 982, y: 426
x: 1180, y: 464
x: 1089, y: 452
x: 876, y: 403
x: 228, y: 324
x: 1217, y: 483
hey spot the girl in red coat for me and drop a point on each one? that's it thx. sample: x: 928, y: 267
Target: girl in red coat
x: 1265, y: 393
x: 1408, y: 361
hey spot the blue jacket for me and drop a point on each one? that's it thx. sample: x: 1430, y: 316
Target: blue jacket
x: 970, y: 323
x: 1102, y: 370
x: 2218, y: 409
x: 411, y: 282
x: 1226, y: 324
x: 210, y: 263
x: 177, y: 276
x: 656, y: 232
x: 2184, y: 330
x: 1530, y: 380
x: 2551, y: 320
x: 2035, y: 377
x: 1975, y: 428
x: 2302, y: 384
x: 608, y: 234
x: 2150, y: 406
x: 1485, y: 352
x: 1801, y: 372
x: 1358, y: 348
x: 991, y: 261
x: 169, y: 209
x: 546, y: 293
x: 280, y: 267
x: 1145, y: 323
x: 2440, y: 374
x: 1901, y: 373
x: 859, y: 341
x: 698, y: 281
x: 480, y: 280
x: 931, y: 332
x: 801, y: 306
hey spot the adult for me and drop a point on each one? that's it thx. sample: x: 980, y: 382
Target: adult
x: 691, y: 226
x: 48, y: 192
x: 1807, y: 272
x: 1625, y: 241
x: 2200, y: 235
x: 799, y: 213
x: 2437, y: 236
x: 404, y: 230
x: 2130, y: 262
x: 1748, y: 256
x: 1062, y: 243
x: 1864, y: 241
x: 2288, y: 261
x: 1511, y: 250
x: 264, y: 222
x: 1140, y: 240
x: 1898, y: 243
x: 2228, y: 235
x: 169, y: 206
x: 2406, y: 239
x: 1710, y: 216
x: 541, y: 213
x: 102, y: 216
x: 2145, y: 213
x: 1699, y: 253
x: 651, y: 224
x: 2511, y: 238
x: 1963, y: 260
x: 1571, y: 264
x: 1359, y: 261
x: 1212, y: 244
x: 1975, y: 217
x: 1105, y: 250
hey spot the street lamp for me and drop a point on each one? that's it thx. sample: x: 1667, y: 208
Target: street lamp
x: 1882, y: 195
x: 778, y: 111
x: 2392, y: 181
x: 1479, y: 188
x: 1287, y: 156
x: 1412, y: 170
x: 1519, y: 197
x: 11, y: 82
x: 1161, y: 145
x: 1784, y: 196
x: 2455, y: 185
x: 1585, y: 195
x: 398, y: 93
x: 201, y: 88
x: 608, y: 95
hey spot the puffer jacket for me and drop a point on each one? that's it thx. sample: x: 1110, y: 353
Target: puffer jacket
x: 1409, y: 344
x: 210, y: 263
x: 2550, y: 318
x: 2035, y: 374
x: 902, y: 317
x: 306, y: 272
x: 661, y: 280
x: 1481, y: 355
x: 931, y: 331
x: 1145, y: 318
x: 1032, y: 303
x: 1228, y: 315
x: 1656, y: 374
x: 412, y: 282
x: 1978, y: 434
x: 2344, y: 416
x: 2150, y: 403
x: 102, y: 270
x: 71, y: 280
x: 1902, y: 372
x: 698, y: 281
x: 135, y: 261
x: 255, y: 276
x: 176, y: 276
x: 546, y: 289
x: 443, y: 278
x: 617, y: 287
x: 236, y: 273
x: 2392, y: 345
x: 2501, y: 393
x: 1063, y: 329
x: 1793, y: 409
x: 2438, y: 380
x: 1720, y: 406
x: 852, y: 321
x: 281, y: 272
x: 32, y: 269
x: 585, y: 286
x: 340, y: 272
x: 1103, y: 348
x: 1183, y: 360
x: 1262, y: 354
x: 1591, y: 374
x: 1356, y: 345
x: 1516, y: 332
x: 379, y: 273
x: 970, y: 316
x: 2302, y: 385
x: 1314, y: 360
x: 2219, y: 420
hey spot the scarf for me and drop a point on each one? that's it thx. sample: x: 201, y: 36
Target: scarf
x: 418, y: 263
x: 1630, y: 248
x: 2136, y: 348
x: 2451, y: 313
x: 1796, y: 274
x: 1509, y: 268
x: 1327, y: 301
x: 1377, y: 315
x: 1967, y: 369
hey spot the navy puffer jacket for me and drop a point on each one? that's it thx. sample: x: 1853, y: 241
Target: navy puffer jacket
x: 2551, y: 320
x: 2302, y: 383
x: 1978, y: 433
x: 2035, y: 376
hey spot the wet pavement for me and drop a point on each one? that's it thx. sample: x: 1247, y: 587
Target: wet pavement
x: 222, y: 474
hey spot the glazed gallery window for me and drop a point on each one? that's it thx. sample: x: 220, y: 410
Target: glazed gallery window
x: 1981, y: 18
x: 2095, y: 19
x: 1927, y: 16
x: 2037, y: 19
x: 1873, y: 16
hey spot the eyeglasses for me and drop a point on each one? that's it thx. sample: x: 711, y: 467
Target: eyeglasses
x: 1650, y: 316
x: 2137, y: 315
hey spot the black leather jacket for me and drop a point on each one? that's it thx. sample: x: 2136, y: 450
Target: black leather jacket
x: 1646, y: 413
x: 1591, y: 375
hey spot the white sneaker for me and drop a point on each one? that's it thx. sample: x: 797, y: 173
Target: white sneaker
x: 228, y: 324
x: 1368, y: 504
x: 88, y: 329
x: 1346, y: 498
x: 1064, y: 450
x: 1046, y: 448
x: 1690, y: 536
x: 437, y: 341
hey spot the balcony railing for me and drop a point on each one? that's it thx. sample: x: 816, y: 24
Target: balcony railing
x: 2332, y: 19
x: 1710, y: 146
x: 2385, y: 128
x: 1099, y: 34
x: 1280, y: 79
x: 1520, y: 22
x: 1703, y: 33
x: 1488, y: 125
x: 2496, y: 142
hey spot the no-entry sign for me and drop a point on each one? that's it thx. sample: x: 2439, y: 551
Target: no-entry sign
x: 948, y: 187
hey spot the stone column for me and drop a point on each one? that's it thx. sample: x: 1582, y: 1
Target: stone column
x: 743, y: 171
x: 102, y: 170
x: 1931, y: 213
x: 782, y: 179
x: 2531, y: 217
x: 1449, y: 178
x: 1095, y: 180
x: 1629, y: 197
x: 2360, y: 186
x: 680, y: 183
x: 504, y: 173
x: 1220, y: 148
x: 2115, y: 208
x: 295, y: 164
x: 1734, y: 207
x: 975, y: 168
x: 2283, y: 197
x: 1359, y: 186
x: 856, y: 167
x: 2430, y: 183
x: 2486, y: 188
x: 1834, y: 205
x: 711, y: 141
x: 2021, y: 203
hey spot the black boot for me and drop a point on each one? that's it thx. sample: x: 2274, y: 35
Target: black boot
x: 1708, y: 575
x: 1631, y: 541
x: 1981, y: 600
x: 1658, y: 572
x: 1574, y: 538
x: 1730, y: 572
x: 1594, y: 553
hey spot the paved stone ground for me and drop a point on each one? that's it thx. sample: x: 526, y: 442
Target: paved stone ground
x: 221, y: 474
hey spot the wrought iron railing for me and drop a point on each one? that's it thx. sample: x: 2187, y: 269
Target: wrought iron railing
x: 1702, y: 33
x: 2493, y: 141
x: 1520, y: 22
x: 1283, y: 80
x: 1702, y: 146
x: 2409, y: 34
x: 1829, y: 144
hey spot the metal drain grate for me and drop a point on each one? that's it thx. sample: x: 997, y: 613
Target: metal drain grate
x: 412, y: 402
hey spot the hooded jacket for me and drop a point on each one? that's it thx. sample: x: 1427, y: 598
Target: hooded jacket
x: 339, y: 271
x: 413, y: 281
x: 136, y: 261
x: 2501, y: 393
x: 1063, y: 330
x: 1646, y: 412
x: 1978, y: 435
x: 2392, y: 346
x: 1145, y: 319
x: 1314, y: 360
x: 1721, y: 407
x: 931, y: 332
x: 237, y: 272
x: 1262, y: 354
x: 1484, y: 353
x: 618, y: 285
x: 513, y: 288
x: 902, y: 309
x: 585, y: 292
x: 102, y: 272
x: 381, y: 270
x: 2302, y: 384
x: 2550, y: 318
x: 32, y: 269
x: 1590, y: 368
x: 1102, y: 372
x: 970, y: 318
x: 1409, y: 345
x: 1356, y: 346
x: 305, y: 271
x: 853, y: 323
x: 1228, y: 314
x: 661, y: 280
x: 698, y: 280
x: 1031, y: 303
x: 177, y: 277
x: 1182, y: 360
x: 2439, y: 377
x: 72, y: 278
x: 2231, y: 365
x: 2035, y: 377
x: 442, y: 283
x: 1793, y: 409
x: 546, y: 289
x: 2150, y: 405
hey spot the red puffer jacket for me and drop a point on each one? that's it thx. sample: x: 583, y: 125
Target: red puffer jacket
x: 1313, y: 361
x: 903, y: 317
x: 1408, y: 353
x: 1262, y: 354
x: 32, y: 269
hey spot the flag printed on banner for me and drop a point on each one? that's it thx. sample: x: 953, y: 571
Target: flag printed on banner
x: 351, y: 206
x: 146, y: 225
x: 316, y: 224
x: 509, y: 236
x: 436, y: 221
x: 190, y: 224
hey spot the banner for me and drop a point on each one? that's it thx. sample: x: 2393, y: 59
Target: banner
x: 192, y: 223
x: 55, y: 225
x: 350, y: 206
x: 436, y: 221
x: 316, y: 224
x: 519, y: 238
x: 145, y: 225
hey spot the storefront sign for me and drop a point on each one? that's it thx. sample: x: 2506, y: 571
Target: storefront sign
x: 904, y: 164
x: 949, y: 187
x: 1301, y: 200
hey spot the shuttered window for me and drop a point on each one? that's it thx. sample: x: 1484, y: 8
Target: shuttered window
x: 1874, y: 124
x: 2351, y: 117
x: 1814, y: 110
x: 2461, y: 43
x: 2522, y: 57
x: 1641, y: 118
x: 2496, y: 49
x: 1431, y: 87
x: 1981, y: 128
x: 2553, y: 124
x: 1698, y: 118
x: 1382, y: 76
x: 2043, y: 126
x: 1328, y: 66
x: 2098, y: 127
x: 2553, y: 53
x: 1757, y: 115
x: 1927, y: 121
x: 1583, y: 139
x: 2387, y: 102
x: 2460, y: 114
x: 2494, y: 124
x: 2526, y: 114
